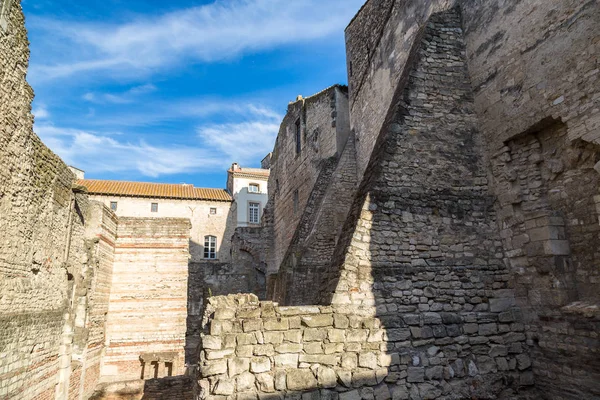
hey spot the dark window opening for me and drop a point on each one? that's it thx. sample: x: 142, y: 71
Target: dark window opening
x: 113, y: 205
x: 295, y: 201
x: 169, y: 368
x: 213, y: 211
x: 298, y: 137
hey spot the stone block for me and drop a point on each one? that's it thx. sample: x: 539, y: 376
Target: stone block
x: 280, y: 379
x: 315, y: 321
x: 273, y: 337
x: 313, y: 348
x: 224, y: 313
x: 368, y: 360
x: 362, y: 378
x: 211, y: 342
x: 238, y: 365
x: 330, y: 348
x: 264, y: 350
x: 315, y: 334
x: 336, y: 335
x: 326, y: 377
x: 501, y: 304
x: 557, y: 247
x: 224, y: 387
x: 286, y: 360
x: 351, y: 395
x: 260, y: 364
x: 265, y: 383
x: 340, y: 321
x: 349, y: 360
x: 245, y: 381
x: 289, y: 348
x: 251, y: 325
x: 326, y: 359
x: 214, y: 368
x: 415, y: 374
x: 217, y: 354
x: 276, y: 324
x: 301, y: 379
x: 294, y: 336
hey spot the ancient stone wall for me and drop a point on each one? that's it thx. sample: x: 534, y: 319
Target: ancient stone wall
x: 294, y: 174
x: 148, y: 300
x: 536, y: 95
x: 256, y: 349
x: 380, y: 43
x: 51, y: 276
x: 309, y: 255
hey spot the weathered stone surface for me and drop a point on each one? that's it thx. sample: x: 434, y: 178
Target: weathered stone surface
x: 301, y: 379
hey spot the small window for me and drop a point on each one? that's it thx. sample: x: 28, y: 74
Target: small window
x: 113, y: 205
x: 295, y: 201
x: 298, y: 137
x: 213, y: 211
x: 210, y: 247
x: 254, y: 213
x: 154, y: 207
x: 254, y: 188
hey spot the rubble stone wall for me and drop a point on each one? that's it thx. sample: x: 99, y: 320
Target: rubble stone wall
x: 49, y: 273
x: 295, y: 174
x: 254, y: 349
x: 148, y: 300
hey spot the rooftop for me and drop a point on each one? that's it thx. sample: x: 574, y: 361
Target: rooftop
x: 154, y: 190
x: 256, y: 173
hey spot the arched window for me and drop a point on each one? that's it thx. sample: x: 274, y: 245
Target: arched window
x: 210, y: 247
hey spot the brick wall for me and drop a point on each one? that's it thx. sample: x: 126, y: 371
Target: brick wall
x: 148, y: 299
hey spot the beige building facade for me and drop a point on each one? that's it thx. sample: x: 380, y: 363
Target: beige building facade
x: 209, y: 211
x: 248, y: 187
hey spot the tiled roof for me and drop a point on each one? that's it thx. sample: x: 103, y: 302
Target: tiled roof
x: 160, y: 190
x: 256, y: 173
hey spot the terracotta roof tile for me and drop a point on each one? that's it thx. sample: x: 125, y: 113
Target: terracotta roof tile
x: 145, y: 189
x: 256, y: 173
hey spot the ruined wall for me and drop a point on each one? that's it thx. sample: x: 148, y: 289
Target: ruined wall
x: 537, y: 96
x: 310, y: 252
x: 45, y: 252
x: 293, y: 172
x: 148, y: 300
x: 379, y: 43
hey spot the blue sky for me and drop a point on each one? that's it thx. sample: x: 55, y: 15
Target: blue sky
x: 176, y: 91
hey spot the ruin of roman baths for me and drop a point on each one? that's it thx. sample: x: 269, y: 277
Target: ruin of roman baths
x: 431, y: 230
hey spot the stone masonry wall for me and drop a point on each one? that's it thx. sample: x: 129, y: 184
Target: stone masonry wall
x: 49, y: 344
x: 148, y: 299
x: 537, y: 98
x: 422, y: 237
x: 379, y: 46
x: 293, y: 172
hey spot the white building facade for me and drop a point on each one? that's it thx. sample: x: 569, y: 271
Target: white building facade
x: 248, y: 187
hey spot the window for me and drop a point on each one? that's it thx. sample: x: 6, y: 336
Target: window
x: 113, y: 205
x: 4, y: 13
x: 298, y: 137
x: 210, y: 247
x: 213, y: 211
x: 254, y: 188
x: 154, y: 207
x: 295, y: 201
x: 254, y: 213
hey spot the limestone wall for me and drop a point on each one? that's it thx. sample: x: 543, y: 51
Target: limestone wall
x: 254, y: 349
x: 148, y: 299
x: 323, y: 136
x: 380, y: 44
x: 49, y: 346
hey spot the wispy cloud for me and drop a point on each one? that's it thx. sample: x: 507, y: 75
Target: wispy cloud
x: 41, y: 112
x: 217, y: 147
x: 126, y: 97
x: 218, y: 31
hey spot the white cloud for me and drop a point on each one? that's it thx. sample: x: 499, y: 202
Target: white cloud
x: 126, y: 97
x: 219, y: 146
x: 41, y: 112
x: 213, y: 32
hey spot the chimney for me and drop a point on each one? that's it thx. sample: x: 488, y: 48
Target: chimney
x: 235, y: 167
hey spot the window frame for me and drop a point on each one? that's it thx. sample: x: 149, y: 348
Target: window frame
x: 210, y: 247
x: 154, y: 207
x: 116, y: 204
x: 255, y: 185
x: 251, y: 205
x: 212, y: 211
